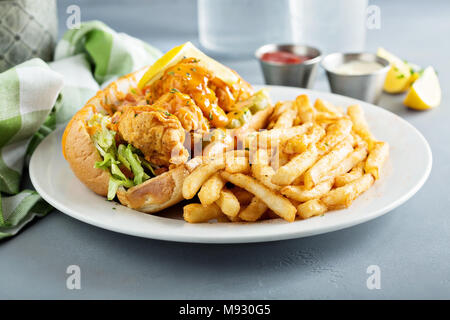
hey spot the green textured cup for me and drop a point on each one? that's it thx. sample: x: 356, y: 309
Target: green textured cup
x: 28, y: 29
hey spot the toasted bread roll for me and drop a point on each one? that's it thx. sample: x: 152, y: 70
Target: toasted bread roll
x: 159, y: 192
x: 154, y: 194
x: 82, y: 155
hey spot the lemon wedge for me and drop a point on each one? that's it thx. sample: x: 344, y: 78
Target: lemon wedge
x: 398, y: 76
x: 188, y: 50
x: 425, y: 93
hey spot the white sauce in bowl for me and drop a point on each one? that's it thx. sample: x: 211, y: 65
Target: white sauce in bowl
x: 358, y: 67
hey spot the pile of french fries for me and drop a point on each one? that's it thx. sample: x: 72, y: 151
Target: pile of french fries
x: 311, y: 159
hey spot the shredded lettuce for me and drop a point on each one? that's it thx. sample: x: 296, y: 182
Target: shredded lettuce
x: 135, y: 163
x: 148, y: 165
x: 243, y: 110
x: 257, y: 102
x: 261, y: 101
x: 240, y: 118
x: 116, y: 171
x: 121, y: 156
x: 108, y: 159
x: 114, y: 185
x: 104, y: 141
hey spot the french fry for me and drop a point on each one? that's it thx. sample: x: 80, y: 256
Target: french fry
x: 278, y: 159
x: 210, y: 191
x: 269, y: 214
x: 295, y: 203
x: 305, y: 111
x: 318, y: 172
x: 326, y: 117
x: 325, y: 124
x: 236, y: 153
x: 343, y: 196
x: 253, y: 211
x: 260, y: 156
x: 271, y: 138
x: 228, y: 203
x: 311, y: 208
x: 237, y: 165
x: 357, y: 156
x: 286, y: 119
x: 261, y: 170
x: 336, y: 132
x: 263, y: 173
x: 280, y: 108
x: 244, y: 197
x: 193, y: 163
x: 312, y: 158
x: 286, y: 174
x: 300, y: 143
x: 277, y: 203
x: 306, y: 152
x: 325, y: 106
x: 360, y: 124
x: 236, y: 218
x: 348, y: 177
x: 197, y: 213
x: 195, y: 180
x: 358, y: 141
x: 215, y: 147
x: 377, y: 157
x: 302, y: 194
x: 285, y: 134
x: 298, y: 181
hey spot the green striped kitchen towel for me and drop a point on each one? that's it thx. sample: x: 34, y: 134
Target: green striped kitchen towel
x: 35, y: 98
x: 113, y: 54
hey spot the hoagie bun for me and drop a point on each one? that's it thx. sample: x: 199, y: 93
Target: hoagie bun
x: 143, y: 174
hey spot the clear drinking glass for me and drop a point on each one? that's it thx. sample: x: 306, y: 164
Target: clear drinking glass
x: 330, y: 25
x: 239, y: 27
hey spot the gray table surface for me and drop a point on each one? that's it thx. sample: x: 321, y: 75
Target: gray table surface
x: 410, y: 244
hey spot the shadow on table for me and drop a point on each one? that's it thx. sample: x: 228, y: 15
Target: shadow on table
x: 394, y: 104
x: 317, y: 253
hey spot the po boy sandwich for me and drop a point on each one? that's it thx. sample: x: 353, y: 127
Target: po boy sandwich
x: 140, y: 137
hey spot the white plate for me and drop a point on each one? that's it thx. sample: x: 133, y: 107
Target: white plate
x: 405, y: 173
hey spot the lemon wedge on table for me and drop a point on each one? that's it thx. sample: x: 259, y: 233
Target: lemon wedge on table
x: 425, y: 93
x: 398, y: 78
x: 177, y: 54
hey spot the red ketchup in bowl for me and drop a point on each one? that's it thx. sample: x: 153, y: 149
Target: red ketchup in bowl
x: 284, y: 57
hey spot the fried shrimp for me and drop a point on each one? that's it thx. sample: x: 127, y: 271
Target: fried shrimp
x: 154, y: 131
